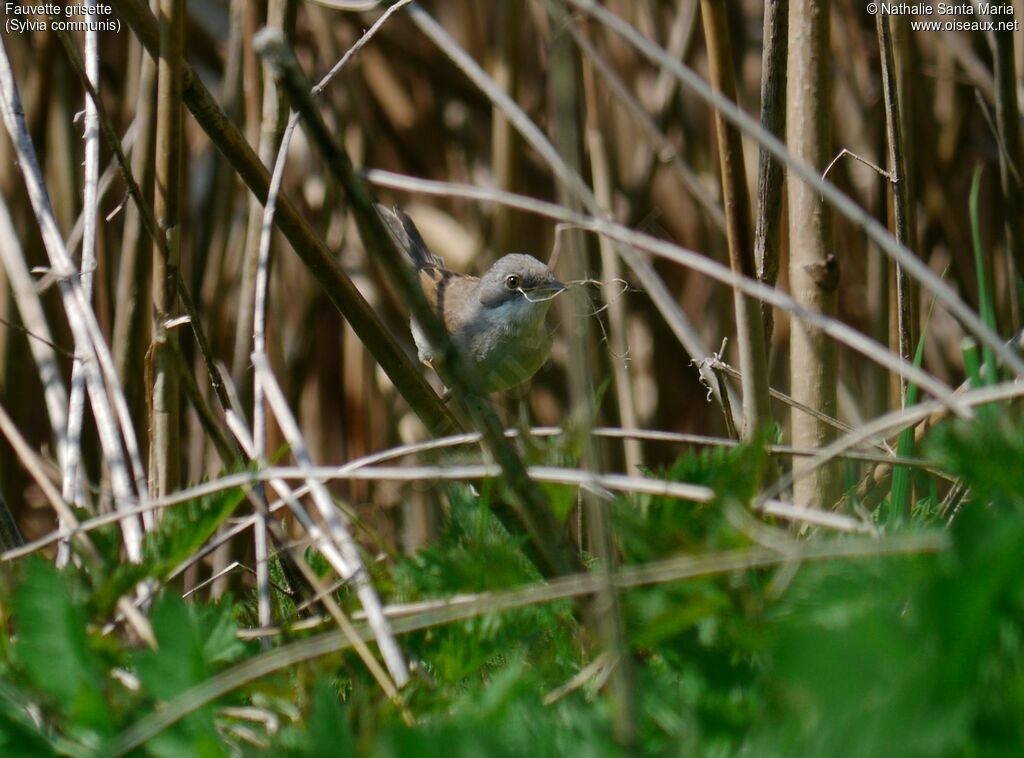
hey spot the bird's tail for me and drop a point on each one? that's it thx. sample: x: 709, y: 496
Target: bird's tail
x: 408, y: 238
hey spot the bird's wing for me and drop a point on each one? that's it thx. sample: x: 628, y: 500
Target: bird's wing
x: 447, y: 293
x: 408, y: 238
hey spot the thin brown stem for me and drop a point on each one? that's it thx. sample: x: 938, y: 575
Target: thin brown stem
x: 770, y: 170
x: 736, y: 200
x: 164, y: 453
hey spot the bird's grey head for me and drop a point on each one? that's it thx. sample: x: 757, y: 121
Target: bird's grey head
x: 519, y: 283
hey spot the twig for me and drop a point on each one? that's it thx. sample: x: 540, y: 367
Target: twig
x: 846, y: 153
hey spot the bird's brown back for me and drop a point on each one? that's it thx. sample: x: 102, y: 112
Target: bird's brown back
x: 444, y: 289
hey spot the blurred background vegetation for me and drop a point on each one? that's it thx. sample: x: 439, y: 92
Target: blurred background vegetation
x: 870, y: 606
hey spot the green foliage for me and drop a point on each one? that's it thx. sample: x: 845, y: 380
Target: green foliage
x: 52, y: 628
x: 915, y: 655
x: 181, y: 531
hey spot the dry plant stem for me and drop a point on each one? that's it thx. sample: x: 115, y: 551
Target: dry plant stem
x: 720, y: 366
x: 318, y: 259
x: 505, y: 143
x: 352, y: 568
x: 296, y: 555
x: 633, y: 241
x: 901, y: 201
x: 72, y: 486
x: 601, y: 171
x: 89, y: 344
x: 770, y: 170
x: 162, y: 381
x: 471, y: 438
x: 66, y: 516
x: 209, y: 421
x: 887, y: 425
x: 1011, y: 165
x: 673, y: 569
x: 273, y: 125
x: 130, y: 317
x: 455, y: 369
x: 721, y: 384
x: 26, y: 298
x: 736, y: 200
x: 801, y: 169
x: 813, y: 269
x: 605, y: 611
x: 600, y: 483
x: 274, y: 113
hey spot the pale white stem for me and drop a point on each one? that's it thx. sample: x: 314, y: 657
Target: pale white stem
x: 73, y: 488
x: 89, y: 344
x: 352, y: 568
x: 40, y: 343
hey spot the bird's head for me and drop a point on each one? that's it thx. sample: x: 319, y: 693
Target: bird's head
x: 519, y: 287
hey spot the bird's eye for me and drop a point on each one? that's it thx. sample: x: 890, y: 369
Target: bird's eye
x: 512, y: 282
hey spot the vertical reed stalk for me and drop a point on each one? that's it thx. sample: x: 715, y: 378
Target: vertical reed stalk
x: 770, y: 171
x: 1010, y: 168
x: 566, y: 104
x: 900, y: 188
x: 72, y: 487
x: 505, y: 142
x: 131, y: 322
x: 601, y: 171
x: 813, y: 270
x: 736, y: 201
x: 274, y: 118
x: 164, y: 404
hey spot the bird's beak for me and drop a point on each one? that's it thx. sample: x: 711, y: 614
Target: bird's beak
x: 550, y: 287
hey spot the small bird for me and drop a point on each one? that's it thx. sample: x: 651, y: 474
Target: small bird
x: 498, y: 319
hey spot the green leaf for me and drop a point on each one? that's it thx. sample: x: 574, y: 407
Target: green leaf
x: 191, y: 640
x: 185, y: 528
x: 329, y: 733
x: 54, y: 649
